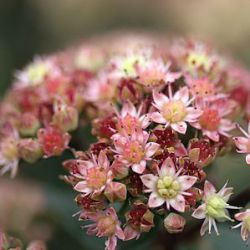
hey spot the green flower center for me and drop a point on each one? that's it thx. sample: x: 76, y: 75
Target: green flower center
x: 215, y: 207
x: 168, y: 187
x: 247, y: 222
x: 175, y: 111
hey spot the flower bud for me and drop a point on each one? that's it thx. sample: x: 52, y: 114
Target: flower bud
x: 115, y: 191
x: 29, y: 150
x: 174, y: 223
x: 119, y: 170
x: 106, y: 226
x: 28, y: 124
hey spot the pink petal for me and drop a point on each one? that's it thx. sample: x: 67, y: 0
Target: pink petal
x: 149, y: 180
x: 167, y: 168
x: 213, y: 135
x: 151, y: 148
x: 130, y: 233
x: 209, y: 189
x: 128, y: 108
x: 119, y: 233
x: 157, y: 117
x: 241, y: 216
x: 180, y: 127
x: 245, y: 233
x: 160, y: 99
x: 139, y: 168
x: 187, y: 181
x: 82, y: 187
x: 155, y: 200
x: 200, y: 212
x: 171, y: 77
x: 193, y: 114
x: 111, y: 243
x: 248, y: 159
x: 242, y: 143
x: 178, y: 203
x: 182, y: 95
x: 103, y: 160
x: 204, y: 227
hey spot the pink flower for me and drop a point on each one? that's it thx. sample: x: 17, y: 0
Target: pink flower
x: 173, y: 110
x: 9, y: 157
x: 212, y: 121
x: 214, y: 207
x: 244, y: 218
x: 243, y: 143
x: 168, y: 187
x: 95, y: 175
x: 131, y: 120
x: 155, y: 73
x: 134, y: 151
x: 106, y: 224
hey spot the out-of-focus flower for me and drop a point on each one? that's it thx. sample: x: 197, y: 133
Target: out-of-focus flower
x: 244, y: 218
x: 106, y: 224
x: 243, y: 143
x: 214, y: 207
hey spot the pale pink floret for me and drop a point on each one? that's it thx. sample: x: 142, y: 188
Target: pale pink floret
x: 174, y: 111
x: 168, y: 187
x: 95, y: 175
x: 244, y: 218
x: 131, y: 120
x: 155, y: 73
x: 135, y: 150
x: 106, y: 224
x: 243, y: 143
x: 214, y: 207
x: 213, y: 121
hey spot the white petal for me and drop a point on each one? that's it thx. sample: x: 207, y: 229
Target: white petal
x: 180, y: 127
x: 140, y: 167
x: 151, y: 148
x: 160, y: 99
x: 209, y: 189
x: 155, y: 200
x: 167, y: 168
x: 178, y: 203
x: 200, y: 212
x: 182, y: 95
x: 187, y: 181
x: 149, y: 180
x: 157, y: 117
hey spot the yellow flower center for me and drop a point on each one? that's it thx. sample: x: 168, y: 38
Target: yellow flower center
x: 195, y: 60
x: 134, y: 152
x: 168, y: 187
x: 96, y: 177
x: 37, y: 72
x: 175, y: 111
x: 129, y: 63
x: 215, y: 207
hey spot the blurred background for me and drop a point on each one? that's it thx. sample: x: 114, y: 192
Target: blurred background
x: 31, y: 27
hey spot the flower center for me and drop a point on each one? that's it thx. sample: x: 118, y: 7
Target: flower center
x: 196, y: 60
x: 174, y: 111
x: 247, y: 222
x: 168, y: 187
x: 96, y: 177
x: 134, y: 152
x: 129, y: 63
x: 129, y: 124
x: 37, y: 72
x: 210, y: 120
x: 106, y: 226
x: 215, y: 207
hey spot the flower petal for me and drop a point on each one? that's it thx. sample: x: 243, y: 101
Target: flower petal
x: 182, y: 94
x: 155, y: 200
x: 209, y: 189
x: 151, y: 148
x: 160, y: 99
x: 180, y: 127
x: 157, y: 117
x: 178, y: 203
x: 186, y: 181
x: 149, y: 180
x: 167, y: 168
x: 200, y: 212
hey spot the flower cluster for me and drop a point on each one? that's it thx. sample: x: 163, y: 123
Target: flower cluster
x: 160, y: 114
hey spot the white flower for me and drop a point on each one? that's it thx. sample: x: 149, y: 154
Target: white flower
x: 168, y: 187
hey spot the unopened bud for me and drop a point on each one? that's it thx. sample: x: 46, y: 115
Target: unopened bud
x: 174, y: 223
